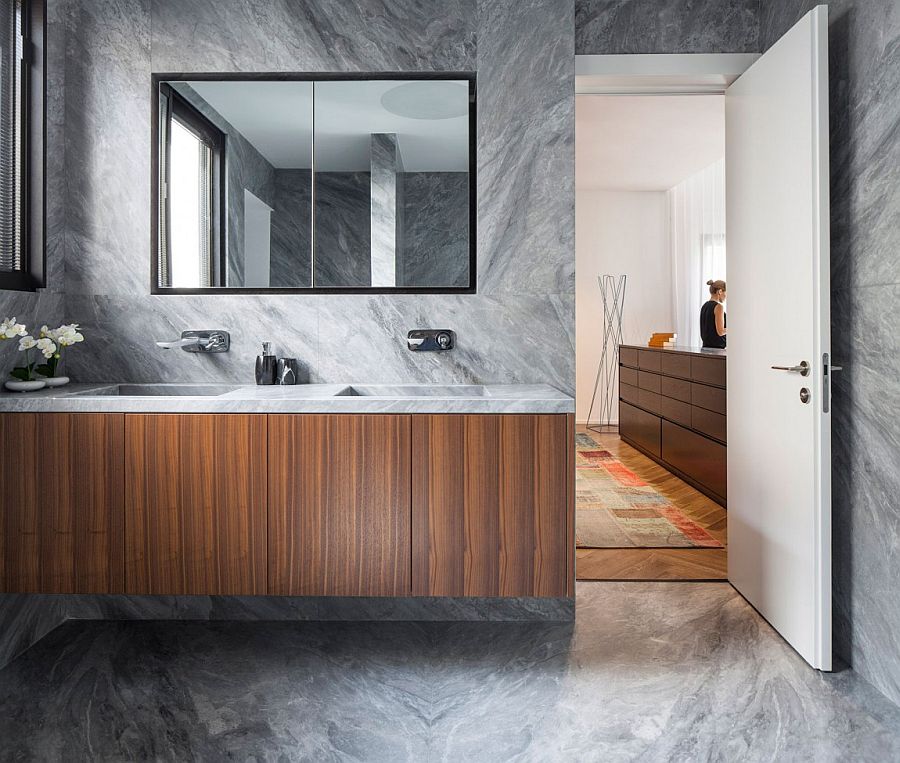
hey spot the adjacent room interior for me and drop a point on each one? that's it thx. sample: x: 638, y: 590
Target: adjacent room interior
x: 650, y: 232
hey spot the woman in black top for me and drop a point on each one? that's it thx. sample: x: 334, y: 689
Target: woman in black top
x: 712, y: 316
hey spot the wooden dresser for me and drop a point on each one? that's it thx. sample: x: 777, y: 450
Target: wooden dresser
x: 672, y: 409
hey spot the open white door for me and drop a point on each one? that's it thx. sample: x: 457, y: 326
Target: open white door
x: 779, y: 425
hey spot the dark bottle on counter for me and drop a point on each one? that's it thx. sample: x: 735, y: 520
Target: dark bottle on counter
x: 266, y: 365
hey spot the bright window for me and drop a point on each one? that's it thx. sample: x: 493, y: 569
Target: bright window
x: 190, y: 215
x: 191, y: 229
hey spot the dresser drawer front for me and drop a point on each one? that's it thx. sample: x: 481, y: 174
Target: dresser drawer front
x: 649, y: 400
x: 640, y: 427
x: 648, y: 360
x: 649, y: 381
x: 712, y: 424
x: 675, y: 410
x: 679, y: 389
x: 629, y: 393
x: 708, y: 370
x: 698, y: 457
x: 628, y: 376
x: 676, y: 365
x: 628, y: 356
x: 710, y: 398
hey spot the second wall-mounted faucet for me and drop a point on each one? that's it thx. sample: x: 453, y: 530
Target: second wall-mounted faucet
x: 213, y: 340
x: 430, y: 340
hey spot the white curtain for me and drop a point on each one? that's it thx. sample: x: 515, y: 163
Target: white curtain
x: 697, y: 220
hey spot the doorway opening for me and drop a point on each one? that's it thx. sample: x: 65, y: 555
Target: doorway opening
x: 749, y: 423
x: 650, y: 232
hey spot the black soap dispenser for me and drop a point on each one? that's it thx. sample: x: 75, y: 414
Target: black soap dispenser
x: 266, y: 365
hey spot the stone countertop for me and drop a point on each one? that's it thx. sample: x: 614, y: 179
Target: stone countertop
x: 683, y: 350
x: 301, y: 398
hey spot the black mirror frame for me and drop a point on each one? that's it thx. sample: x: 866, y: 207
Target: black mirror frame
x: 158, y: 78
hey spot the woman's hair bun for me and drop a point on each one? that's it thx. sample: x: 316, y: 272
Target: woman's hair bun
x: 709, y: 283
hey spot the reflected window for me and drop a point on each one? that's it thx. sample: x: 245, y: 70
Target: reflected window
x: 190, y: 208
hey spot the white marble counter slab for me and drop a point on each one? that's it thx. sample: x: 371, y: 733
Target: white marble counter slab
x: 302, y: 398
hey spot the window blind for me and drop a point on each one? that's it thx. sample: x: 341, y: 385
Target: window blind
x: 11, y: 176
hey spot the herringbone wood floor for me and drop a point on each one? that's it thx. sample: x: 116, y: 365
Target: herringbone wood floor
x: 658, y: 563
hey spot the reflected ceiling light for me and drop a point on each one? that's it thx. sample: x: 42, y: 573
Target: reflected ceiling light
x: 427, y: 100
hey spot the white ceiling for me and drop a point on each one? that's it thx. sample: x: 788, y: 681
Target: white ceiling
x: 645, y: 142
x: 276, y: 117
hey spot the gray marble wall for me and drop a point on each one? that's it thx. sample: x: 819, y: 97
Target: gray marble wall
x: 343, y: 229
x: 434, y: 245
x: 290, y: 256
x: 520, y: 325
x: 675, y: 26
x: 864, y: 63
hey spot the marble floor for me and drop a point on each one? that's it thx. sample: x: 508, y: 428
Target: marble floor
x: 650, y: 671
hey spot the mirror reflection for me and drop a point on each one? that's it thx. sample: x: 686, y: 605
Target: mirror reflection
x: 341, y: 184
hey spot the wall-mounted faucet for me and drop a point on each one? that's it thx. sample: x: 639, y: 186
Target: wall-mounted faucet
x: 430, y: 340
x: 200, y: 341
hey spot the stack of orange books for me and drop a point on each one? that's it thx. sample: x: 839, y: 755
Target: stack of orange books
x: 659, y: 340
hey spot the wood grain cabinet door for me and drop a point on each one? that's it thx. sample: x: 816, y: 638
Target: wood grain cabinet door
x: 491, y: 505
x: 339, y: 505
x: 195, y: 499
x: 62, y: 513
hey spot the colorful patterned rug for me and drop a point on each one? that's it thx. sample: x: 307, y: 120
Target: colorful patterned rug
x: 614, y: 508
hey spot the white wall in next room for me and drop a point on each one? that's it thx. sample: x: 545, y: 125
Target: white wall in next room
x: 619, y: 232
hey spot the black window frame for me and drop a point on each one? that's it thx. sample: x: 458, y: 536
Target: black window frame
x: 195, y: 121
x: 158, y: 80
x: 33, y: 140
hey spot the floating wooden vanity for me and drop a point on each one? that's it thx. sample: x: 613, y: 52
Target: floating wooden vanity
x: 307, y: 504
x: 672, y: 408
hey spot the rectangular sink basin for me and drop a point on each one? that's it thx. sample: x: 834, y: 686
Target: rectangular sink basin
x: 159, y: 390
x: 414, y: 390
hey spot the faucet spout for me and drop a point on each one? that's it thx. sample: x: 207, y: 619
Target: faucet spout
x: 186, y: 342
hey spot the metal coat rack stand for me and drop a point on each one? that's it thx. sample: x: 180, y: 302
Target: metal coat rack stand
x: 612, y: 292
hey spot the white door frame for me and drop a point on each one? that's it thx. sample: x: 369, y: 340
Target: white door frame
x: 660, y: 74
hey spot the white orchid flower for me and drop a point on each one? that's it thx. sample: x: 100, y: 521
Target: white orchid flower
x: 66, y: 335
x: 27, y: 342
x: 9, y: 329
x: 46, y: 346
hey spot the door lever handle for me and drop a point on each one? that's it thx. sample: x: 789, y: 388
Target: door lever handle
x: 802, y: 368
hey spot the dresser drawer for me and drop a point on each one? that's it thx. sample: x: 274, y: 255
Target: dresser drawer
x: 649, y: 381
x: 680, y: 389
x: 628, y: 356
x: 629, y: 393
x: 711, y: 398
x: 712, y: 424
x: 628, y: 376
x: 649, y: 400
x: 675, y: 410
x: 708, y: 370
x: 640, y: 427
x: 699, y: 458
x: 648, y: 360
x: 676, y: 365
